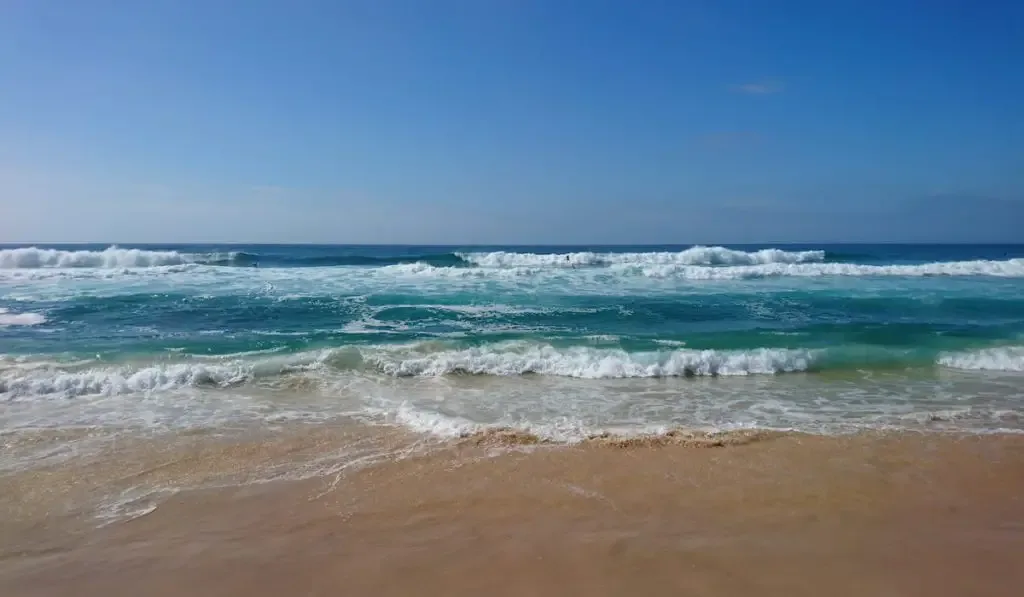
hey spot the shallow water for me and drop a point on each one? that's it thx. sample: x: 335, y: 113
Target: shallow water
x: 562, y: 342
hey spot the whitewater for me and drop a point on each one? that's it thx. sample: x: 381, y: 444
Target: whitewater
x: 561, y: 341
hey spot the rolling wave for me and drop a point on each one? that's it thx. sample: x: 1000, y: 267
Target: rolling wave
x: 1011, y: 268
x: 20, y: 319
x: 694, y: 263
x: 589, y: 363
x: 117, y: 257
x: 1005, y: 358
x: 698, y: 255
x: 111, y: 257
x: 26, y: 381
x: 507, y: 359
x: 244, y: 259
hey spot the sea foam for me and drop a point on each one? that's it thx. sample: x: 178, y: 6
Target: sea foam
x: 698, y: 255
x: 590, y: 363
x: 571, y: 430
x: 1011, y: 268
x: 15, y: 384
x: 23, y: 319
x: 1005, y: 358
x: 414, y: 360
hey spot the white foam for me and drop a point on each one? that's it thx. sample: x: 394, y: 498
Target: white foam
x: 560, y: 429
x: 132, y: 503
x: 589, y: 363
x: 431, y: 423
x: 111, y: 257
x: 990, y: 418
x: 416, y: 360
x: 620, y: 392
x: 602, y: 338
x: 492, y: 309
x: 110, y: 382
x: 23, y: 319
x: 1007, y: 358
x: 698, y: 255
x: 1011, y: 268
x: 23, y: 382
x: 670, y: 342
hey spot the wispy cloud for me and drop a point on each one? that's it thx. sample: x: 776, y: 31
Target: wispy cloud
x: 766, y: 87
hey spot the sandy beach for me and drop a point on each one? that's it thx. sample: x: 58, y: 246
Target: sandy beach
x: 511, y: 298
x: 773, y: 514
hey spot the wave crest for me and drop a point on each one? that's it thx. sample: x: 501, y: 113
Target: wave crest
x: 111, y: 257
x: 418, y: 360
x: 115, y: 381
x: 1006, y: 358
x: 698, y: 255
x: 590, y: 363
x: 1011, y: 268
x: 22, y: 319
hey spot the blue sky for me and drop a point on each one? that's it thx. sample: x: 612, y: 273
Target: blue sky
x: 511, y: 121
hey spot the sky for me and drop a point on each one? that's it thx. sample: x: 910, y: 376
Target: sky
x: 511, y: 121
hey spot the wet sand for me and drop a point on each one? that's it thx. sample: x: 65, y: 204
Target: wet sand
x: 897, y: 514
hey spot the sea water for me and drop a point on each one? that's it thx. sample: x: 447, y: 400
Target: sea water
x: 559, y: 341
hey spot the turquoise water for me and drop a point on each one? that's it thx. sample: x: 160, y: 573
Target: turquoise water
x: 560, y: 340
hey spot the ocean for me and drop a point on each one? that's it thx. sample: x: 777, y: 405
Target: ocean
x: 561, y: 342
x: 231, y: 418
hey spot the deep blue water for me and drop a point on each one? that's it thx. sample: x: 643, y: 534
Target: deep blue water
x: 88, y: 322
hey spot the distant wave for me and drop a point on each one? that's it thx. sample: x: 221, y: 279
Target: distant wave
x: 1012, y: 268
x: 22, y: 319
x: 117, y: 257
x: 695, y: 263
x: 111, y: 257
x: 698, y: 255
x: 243, y: 259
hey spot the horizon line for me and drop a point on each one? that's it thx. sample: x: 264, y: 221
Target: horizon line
x: 30, y: 244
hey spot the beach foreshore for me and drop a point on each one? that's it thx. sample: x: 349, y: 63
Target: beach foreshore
x: 773, y: 514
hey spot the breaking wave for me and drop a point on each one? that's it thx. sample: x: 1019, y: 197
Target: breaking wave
x: 117, y: 257
x: 111, y: 257
x: 698, y: 255
x: 243, y: 259
x: 418, y: 360
x: 24, y: 319
x: 1006, y: 358
x: 1011, y: 268
x: 507, y: 434
x: 26, y: 380
x: 694, y: 263
x: 19, y: 380
x: 590, y: 363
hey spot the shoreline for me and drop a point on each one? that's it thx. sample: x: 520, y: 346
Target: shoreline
x: 875, y: 513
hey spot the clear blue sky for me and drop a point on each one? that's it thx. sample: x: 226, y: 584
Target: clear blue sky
x: 525, y: 121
